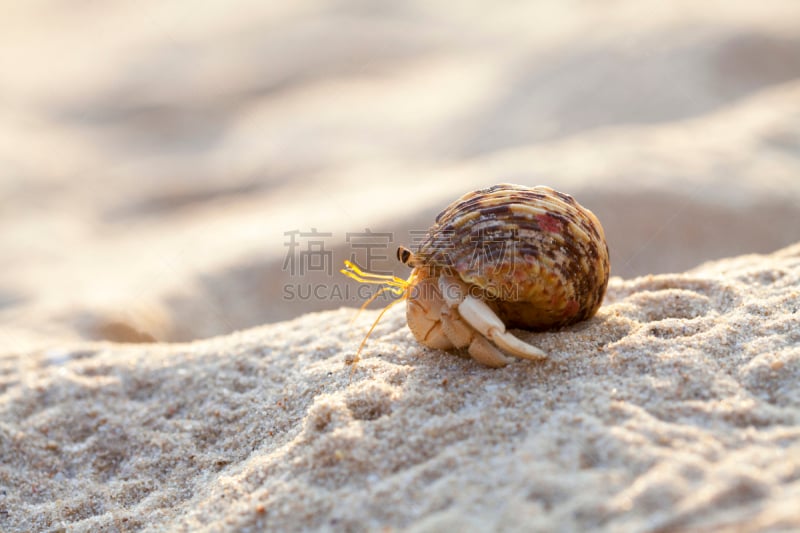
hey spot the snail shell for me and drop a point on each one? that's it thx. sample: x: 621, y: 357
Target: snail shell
x: 536, y: 256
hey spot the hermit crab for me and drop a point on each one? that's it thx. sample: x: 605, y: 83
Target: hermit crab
x: 507, y: 256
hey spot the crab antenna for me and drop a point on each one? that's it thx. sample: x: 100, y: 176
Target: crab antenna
x: 353, y: 272
x: 364, y: 341
x: 393, y: 284
x: 394, y: 290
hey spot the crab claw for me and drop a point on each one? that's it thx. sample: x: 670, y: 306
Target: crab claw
x: 481, y: 317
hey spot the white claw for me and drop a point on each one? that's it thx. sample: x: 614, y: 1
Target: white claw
x: 516, y: 346
x: 486, y: 354
x: 452, y: 289
x: 481, y: 317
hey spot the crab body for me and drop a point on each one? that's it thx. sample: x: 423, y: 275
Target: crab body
x: 505, y: 256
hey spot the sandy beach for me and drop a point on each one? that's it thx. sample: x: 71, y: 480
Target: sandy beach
x: 180, y: 183
x: 675, y: 409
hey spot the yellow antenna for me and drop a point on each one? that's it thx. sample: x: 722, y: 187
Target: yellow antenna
x: 393, y: 284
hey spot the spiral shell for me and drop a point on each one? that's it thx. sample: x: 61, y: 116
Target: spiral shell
x: 535, y: 255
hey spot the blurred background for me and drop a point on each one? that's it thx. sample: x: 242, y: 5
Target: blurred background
x: 176, y: 170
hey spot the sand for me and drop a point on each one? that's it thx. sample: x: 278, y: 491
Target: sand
x: 675, y: 409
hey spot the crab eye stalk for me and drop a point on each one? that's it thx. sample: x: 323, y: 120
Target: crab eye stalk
x: 404, y: 255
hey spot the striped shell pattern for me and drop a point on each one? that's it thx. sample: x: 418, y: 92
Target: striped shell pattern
x: 536, y: 256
